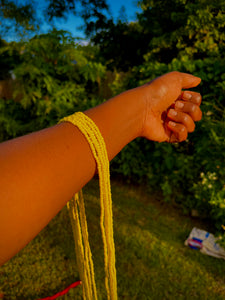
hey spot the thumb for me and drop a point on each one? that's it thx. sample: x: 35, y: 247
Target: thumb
x: 189, y: 81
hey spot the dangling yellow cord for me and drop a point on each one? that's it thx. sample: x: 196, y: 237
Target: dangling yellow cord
x: 78, y: 217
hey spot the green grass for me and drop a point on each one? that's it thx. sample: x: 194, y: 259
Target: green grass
x: 151, y: 259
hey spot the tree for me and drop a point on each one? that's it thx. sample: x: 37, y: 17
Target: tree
x: 16, y: 17
x: 121, y: 45
x: 23, y: 17
x: 176, y: 28
x: 165, y: 30
x: 54, y: 76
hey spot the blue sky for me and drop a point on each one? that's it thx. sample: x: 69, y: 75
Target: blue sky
x: 73, y: 22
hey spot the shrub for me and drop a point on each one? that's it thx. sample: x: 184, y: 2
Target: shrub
x: 192, y: 173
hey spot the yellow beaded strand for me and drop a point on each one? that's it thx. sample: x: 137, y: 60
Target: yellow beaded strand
x: 78, y: 217
x: 83, y: 252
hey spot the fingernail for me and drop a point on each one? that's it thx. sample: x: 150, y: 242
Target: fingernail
x: 186, y: 96
x: 171, y: 123
x: 172, y: 113
x: 179, y: 104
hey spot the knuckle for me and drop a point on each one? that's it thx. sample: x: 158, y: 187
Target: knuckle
x: 195, y: 111
x: 198, y: 98
x: 185, y: 119
x: 193, y: 108
x: 182, y: 129
x: 189, y: 123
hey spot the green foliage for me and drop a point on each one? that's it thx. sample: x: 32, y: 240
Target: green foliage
x: 165, y: 30
x: 179, y: 27
x: 54, y: 78
x: 8, y: 60
x: 210, y: 188
x: 121, y: 44
x: 93, y: 71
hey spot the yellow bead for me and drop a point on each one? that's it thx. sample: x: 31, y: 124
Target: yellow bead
x: 78, y: 216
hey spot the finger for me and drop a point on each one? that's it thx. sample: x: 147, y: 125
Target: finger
x: 189, y: 81
x: 183, y: 118
x: 191, y: 96
x: 173, y: 138
x: 189, y: 108
x: 179, y: 132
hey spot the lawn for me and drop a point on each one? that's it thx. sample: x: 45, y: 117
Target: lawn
x: 151, y: 259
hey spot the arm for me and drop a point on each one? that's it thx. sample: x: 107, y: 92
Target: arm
x: 41, y: 171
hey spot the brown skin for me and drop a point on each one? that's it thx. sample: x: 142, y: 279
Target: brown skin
x: 41, y: 171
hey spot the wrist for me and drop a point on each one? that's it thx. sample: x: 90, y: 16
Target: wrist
x: 120, y: 120
x: 134, y: 108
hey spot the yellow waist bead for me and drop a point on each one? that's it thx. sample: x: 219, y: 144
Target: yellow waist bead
x: 78, y: 217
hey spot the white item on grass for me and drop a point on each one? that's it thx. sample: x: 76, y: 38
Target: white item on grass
x: 205, y: 242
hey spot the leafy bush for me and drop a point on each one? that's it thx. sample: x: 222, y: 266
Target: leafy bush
x: 192, y: 173
x: 54, y: 77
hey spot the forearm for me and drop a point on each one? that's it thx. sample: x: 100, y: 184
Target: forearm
x: 40, y: 172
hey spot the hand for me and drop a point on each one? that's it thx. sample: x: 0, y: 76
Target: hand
x: 165, y: 119
x: 181, y: 116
